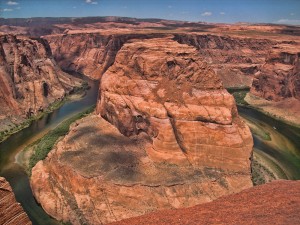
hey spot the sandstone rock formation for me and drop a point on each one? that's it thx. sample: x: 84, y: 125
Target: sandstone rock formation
x: 273, y: 203
x: 30, y: 80
x: 186, y: 143
x: 88, y: 53
x: 166, y: 90
x: 279, y: 77
x: 234, y: 59
x: 11, y: 212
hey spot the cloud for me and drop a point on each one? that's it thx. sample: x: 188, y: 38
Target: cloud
x: 91, y: 2
x: 12, y: 3
x: 292, y: 14
x: 288, y: 21
x: 206, y: 14
x: 7, y: 10
x: 170, y: 6
x: 222, y: 13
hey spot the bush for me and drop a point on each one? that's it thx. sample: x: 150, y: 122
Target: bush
x: 43, y: 146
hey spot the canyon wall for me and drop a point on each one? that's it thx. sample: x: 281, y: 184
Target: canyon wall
x: 11, y: 212
x: 89, y: 53
x: 30, y: 80
x: 183, y: 142
x: 235, y: 59
x: 279, y: 77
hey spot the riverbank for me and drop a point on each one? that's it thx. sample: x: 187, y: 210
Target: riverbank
x: 286, y: 111
x: 39, y: 149
x: 75, y: 94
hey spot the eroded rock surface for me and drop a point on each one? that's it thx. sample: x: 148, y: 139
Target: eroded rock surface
x: 166, y: 89
x: 11, y: 212
x: 273, y: 203
x: 279, y: 77
x: 88, y: 53
x: 234, y: 59
x: 183, y: 141
x: 30, y: 80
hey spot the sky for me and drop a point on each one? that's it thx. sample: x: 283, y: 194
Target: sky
x: 220, y: 11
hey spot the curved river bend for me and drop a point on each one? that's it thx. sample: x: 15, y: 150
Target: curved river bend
x: 15, y: 173
x: 283, y: 150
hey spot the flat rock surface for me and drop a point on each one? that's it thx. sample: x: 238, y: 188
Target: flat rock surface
x: 277, y: 202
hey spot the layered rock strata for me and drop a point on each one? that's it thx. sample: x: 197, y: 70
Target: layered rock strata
x: 89, y: 53
x: 279, y: 77
x: 11, y: 212
x: 234, y: 59
x: 183, y: 141
x: 166, y: 90
x: 271, y: 203
x: 30, y: 80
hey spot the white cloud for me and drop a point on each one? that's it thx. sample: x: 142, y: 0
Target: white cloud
x: 18, y: 8
x: 7, y: 10
x: 292, y: 14
x: 12, y: 3
x: 206, y: 14
x: 91, y: 2
x: 222, y: 13
x: 288, y: 21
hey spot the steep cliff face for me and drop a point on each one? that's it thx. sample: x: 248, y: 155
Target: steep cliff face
x: 11, y: 212
x: 186, y: 143
x: 279, y: 77
x: 30, y: 80
x: 88, y: 53
x: 166, y: 90
x: 234, y: 59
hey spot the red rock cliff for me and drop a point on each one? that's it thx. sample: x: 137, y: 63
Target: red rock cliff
x: 88, y: 53
x: 30, y: 80
x: 11, y: 212
x: 166, y: 90
x: 279, y: 77
x: 234, y: 59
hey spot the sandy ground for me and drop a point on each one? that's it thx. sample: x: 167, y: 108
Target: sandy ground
x: 286, y: 110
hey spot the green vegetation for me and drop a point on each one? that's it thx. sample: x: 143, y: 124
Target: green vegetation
x: 260, y: 173
x: 14, y: 128
x: 239, y: 94
x: 44, y: 145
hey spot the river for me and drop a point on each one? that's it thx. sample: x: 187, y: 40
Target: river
x: 283, y: 149
x: 15, y: 174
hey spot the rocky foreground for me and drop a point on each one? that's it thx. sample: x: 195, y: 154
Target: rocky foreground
x: 11, y: 212
x: 174, y: 140
x: 273, y: 203
x: 30, y: 79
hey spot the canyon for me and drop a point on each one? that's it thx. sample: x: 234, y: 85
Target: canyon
x: 30, y: 79
x: 165, y: 134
